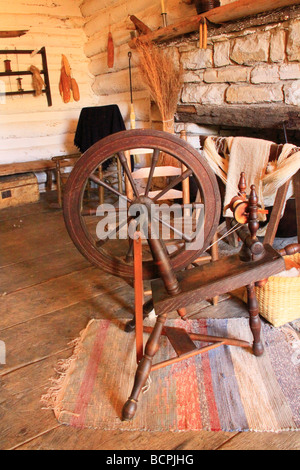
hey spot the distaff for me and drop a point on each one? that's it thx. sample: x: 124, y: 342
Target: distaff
x: 132, y: 113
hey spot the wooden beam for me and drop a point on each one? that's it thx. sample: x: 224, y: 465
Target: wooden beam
x: 230, y: 12
x: 261, y: 19
x: 252, y: 116
x: 242, y: 8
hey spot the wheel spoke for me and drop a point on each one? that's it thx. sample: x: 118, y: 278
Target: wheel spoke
x: 152, y: 169
x: 175, y: 230
x: 173, y: 183
x: 88, y: 212
x: 123, y: 160
x: 114, y: 231
x: 109, y: 188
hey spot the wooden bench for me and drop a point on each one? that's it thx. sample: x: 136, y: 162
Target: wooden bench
x: 35, y: 166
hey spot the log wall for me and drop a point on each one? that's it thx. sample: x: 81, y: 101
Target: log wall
x: 247, y: 77
x: 29, y: 129
x: 112, y: 85
x: 221, y: 76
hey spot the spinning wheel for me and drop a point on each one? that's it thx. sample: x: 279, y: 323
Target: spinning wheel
x: 172, y: 288
x: 104, y: 254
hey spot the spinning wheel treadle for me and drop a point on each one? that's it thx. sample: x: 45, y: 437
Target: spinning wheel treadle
x: 172, y: 291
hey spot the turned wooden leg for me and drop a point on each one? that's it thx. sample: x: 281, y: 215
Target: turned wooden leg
x: 147, y: 308
x: 58, y: 184
x: 144, y: 369
x: 255, y: 323
x: 214, y: 257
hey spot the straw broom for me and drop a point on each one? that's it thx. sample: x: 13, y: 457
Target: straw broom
x: 164, y: 81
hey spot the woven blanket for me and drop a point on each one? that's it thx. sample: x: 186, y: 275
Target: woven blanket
x: 227, y: 388
x: 251, y: 156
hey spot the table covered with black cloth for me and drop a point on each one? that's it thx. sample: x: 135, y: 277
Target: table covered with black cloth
x: 95, y: 123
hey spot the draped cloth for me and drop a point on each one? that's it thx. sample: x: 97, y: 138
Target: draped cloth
x: 252, y: 156
x: 95, y: 123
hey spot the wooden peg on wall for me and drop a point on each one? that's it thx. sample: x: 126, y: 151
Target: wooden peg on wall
x: 141, y: 27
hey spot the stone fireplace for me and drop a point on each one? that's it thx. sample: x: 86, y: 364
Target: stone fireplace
x: 247, y: 81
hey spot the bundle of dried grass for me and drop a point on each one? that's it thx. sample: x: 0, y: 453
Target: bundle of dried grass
x: 164, y: 81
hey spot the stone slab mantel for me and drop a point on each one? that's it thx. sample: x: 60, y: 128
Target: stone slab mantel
x: 254, y: 116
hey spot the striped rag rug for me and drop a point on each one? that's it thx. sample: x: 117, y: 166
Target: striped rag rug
x: 225, y: 389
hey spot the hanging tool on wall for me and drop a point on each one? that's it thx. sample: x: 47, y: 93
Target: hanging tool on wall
x: 133, y: 158
x: 203, y: 33
x: 132, y: 112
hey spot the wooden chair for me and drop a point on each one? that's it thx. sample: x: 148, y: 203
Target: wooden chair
x: 64, y: 164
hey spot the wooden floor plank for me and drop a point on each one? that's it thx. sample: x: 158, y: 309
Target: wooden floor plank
x: 263, y: 441
x: 43, y: 205
x: 21, y: 413
x: 89, y: 439
x: 55, y: 294
x: 47, y: 334
x: 64, y: 325
x: 30, y: 222
x: 52, y: 293
x: 40, y: 269
x: 26, y: 238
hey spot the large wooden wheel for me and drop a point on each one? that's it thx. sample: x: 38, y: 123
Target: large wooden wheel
x: 107, y: 255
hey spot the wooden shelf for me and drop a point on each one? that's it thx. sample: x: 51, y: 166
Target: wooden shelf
x: 25, y: 92
x: 13, y: 74
x: 42, y: 51
x: 230, y: 12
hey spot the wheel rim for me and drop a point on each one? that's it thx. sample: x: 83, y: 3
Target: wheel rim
x: 115, y: 144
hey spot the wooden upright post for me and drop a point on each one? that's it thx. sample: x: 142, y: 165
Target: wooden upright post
x: 138, y: 295
x: 186, y: 182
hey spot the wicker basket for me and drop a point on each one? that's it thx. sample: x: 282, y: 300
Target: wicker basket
x: 279, y: 299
